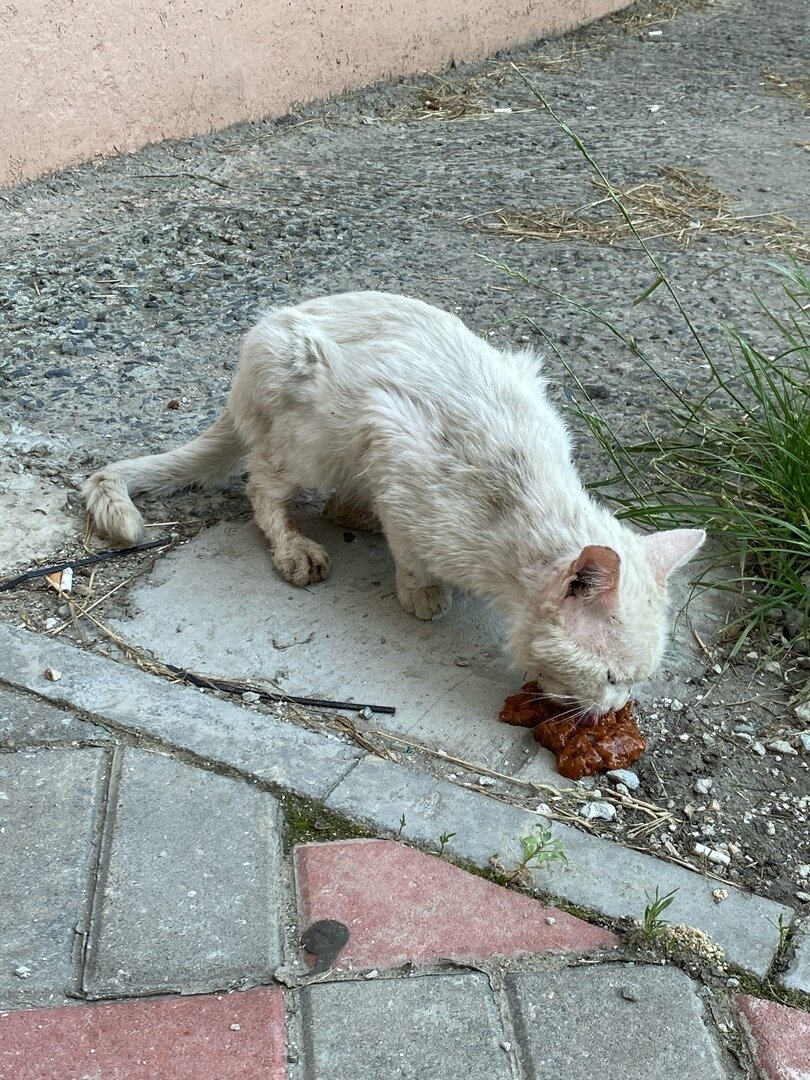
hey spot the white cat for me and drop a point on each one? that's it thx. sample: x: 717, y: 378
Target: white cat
x: 456, y: 450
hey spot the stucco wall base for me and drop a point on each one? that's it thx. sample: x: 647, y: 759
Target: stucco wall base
x: 99, y: 77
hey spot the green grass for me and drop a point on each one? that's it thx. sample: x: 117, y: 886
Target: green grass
x: 733, y: 458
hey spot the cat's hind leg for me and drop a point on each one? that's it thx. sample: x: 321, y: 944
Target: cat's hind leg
x: 351, y: 513
x: 298, y: 559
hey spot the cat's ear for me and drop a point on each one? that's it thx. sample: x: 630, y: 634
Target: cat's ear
x: 593, y: 577
x: 667, y: 551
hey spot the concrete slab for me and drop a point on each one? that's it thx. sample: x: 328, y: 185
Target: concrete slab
x: 599, y: 875
x: 797, y: 976
x: 640, y: 1023
x: 49, y: 803
x: 222, y: 1037
x: 401, y: 905
x: 217, y: 605
x: 188, y: 897
x: 434, y: 1026
x: 301, y: 761
x: 27, y: 722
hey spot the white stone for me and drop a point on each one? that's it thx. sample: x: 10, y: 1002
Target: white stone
x: 604, y: 810
x: 703, y: 785
x: 781, y: 746
x: 624, y: 776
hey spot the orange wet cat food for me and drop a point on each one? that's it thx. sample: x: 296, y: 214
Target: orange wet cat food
x: 583, y: 748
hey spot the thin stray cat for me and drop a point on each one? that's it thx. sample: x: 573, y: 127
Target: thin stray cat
x: 455, y: 449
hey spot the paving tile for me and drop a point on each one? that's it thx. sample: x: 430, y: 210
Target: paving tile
x: 28, y: 722
x: 401, y: 904
x: 217, y: 1037
x: 189, y: 887
x: 301, y: 761
x: 438, y: 1026
x: 797, y: 976
x: 780, y: 1037
x: 640, y: 1023
x: 49, y: 806
x: 379, y: 792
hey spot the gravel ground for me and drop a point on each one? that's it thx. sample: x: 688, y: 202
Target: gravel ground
x: 125, y: 287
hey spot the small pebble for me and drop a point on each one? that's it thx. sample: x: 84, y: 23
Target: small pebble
x: 630, y: 993
x: 732, y: 983
x: 53, y: 674
x: 781, y: 746
x: 804, y: 739
x: 550, y: 920
x: 703, y: 785
x: 236, y: 1027
x: 621, y: 789
x: 719, y: 895
x: 758, y: 748
x: 22, y: 972
x: 371, y: 974
x: 624, y: 776
x: 366, y: 713
x: 604, y: 810
x: 507, y: 1046
x: 250, y: 696
x: 487, y: 781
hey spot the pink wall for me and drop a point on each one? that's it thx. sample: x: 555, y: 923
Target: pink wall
x: 80, y: 78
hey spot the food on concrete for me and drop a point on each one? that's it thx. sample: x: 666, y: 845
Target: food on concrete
x: 583, y: 745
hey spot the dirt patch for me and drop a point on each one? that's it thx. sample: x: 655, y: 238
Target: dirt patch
x: 125, y: 288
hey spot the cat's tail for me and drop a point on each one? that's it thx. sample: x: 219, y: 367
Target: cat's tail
x: 207, y: 460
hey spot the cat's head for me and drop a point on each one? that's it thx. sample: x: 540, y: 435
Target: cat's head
x: 597, y: 625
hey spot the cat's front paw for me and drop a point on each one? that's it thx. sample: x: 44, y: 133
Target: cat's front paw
x: 430, y: 602
x: 301, y: 561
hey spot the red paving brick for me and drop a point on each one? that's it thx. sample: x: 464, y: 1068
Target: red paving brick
x: 401, y: 904
x: 781, y: 1038
x: 213, y: 1037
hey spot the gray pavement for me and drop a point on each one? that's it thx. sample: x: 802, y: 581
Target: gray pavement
x: 145, y: 871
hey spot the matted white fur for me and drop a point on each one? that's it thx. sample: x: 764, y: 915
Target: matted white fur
x: 455, y: 448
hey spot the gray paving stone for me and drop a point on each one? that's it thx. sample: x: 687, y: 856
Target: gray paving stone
x: 28, y: 722
x: 579, y: 1023
x: 48, y: 820
x: 600, y: 875
x: 797, y: 976
x: 300, y: 761
x: 443, y: 1026
x: 188, y: 898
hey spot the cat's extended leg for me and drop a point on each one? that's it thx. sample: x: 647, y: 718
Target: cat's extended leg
x: 351, y: 514
x: 421, y: 594
x: 298, y: 559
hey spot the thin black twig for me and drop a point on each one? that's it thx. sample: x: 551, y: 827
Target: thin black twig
x: 263, y: 695
x: 89, y: 560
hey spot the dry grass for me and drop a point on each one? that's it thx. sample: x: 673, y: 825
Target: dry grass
x: 797, y: 88
x: 638, y: 19
x: 680, y: 205
x: 444, y: 100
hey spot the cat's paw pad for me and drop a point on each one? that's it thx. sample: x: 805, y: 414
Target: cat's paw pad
x: 301, y: 561
x: 430, y: 602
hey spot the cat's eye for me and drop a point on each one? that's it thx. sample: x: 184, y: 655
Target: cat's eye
x: 611, y: 678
